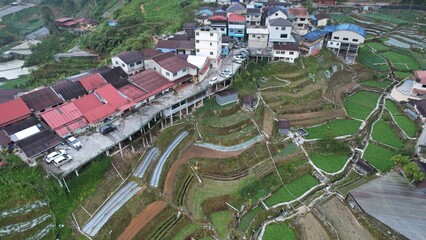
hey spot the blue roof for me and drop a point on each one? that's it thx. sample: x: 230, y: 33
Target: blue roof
x: 314, y: 35
x: 313, y: 18
x: 276, y: 9
x: 346, y: 27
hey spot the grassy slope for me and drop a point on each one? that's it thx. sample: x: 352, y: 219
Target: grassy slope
x: 221, y: 220
x: 376, y: 83
x: 279, y: 231
x: 384, y: 133
x: 379, y: 157
x: 408, y: 126
x: 331, y: 162
x: 360, y: 104
x: 334, y: 128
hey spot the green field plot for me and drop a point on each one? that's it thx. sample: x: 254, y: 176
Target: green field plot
x: 379, y: 157
x: 403, y: 75
x: 384, y: 133
x: 342, y: 18
x: 334, y: 128
x: 296, y: 188
x: 401, y: 61
x: 279, y: 231
x: 385, y: 18
x: 408, y: 126
x: 187, y: 230
x: 360, y: 104
x: 227, y: 121
x: 377, y: 83
x: 331, y: 162
x: 367, y: 58
x: 378, y: 47
x: 248, y: 218
x: 221, y: 220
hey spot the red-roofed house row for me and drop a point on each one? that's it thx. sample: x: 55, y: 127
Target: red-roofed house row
x: 13, y: 111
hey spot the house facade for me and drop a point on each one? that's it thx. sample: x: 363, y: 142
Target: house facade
x: 344, y: 40
x: 131, y: 62
x: 253, y: 16
x: 208, y: 43
x: 419, y: 85
x: 300, y: 20
x: 219, y: 23
x: 236, y: 26
x: 279, y: 31
x: 285, y: 52
x: 258, y: 37
x: 312, y: 43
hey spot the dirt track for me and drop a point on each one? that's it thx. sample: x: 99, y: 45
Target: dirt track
x: 344, y: 221
x: 311, y: 228
x: 192, y: 152
x: 142, y: 219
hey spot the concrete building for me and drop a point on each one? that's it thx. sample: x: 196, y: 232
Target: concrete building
x: 320, y: 19
x: 285, y: 52
x: 277, y: 12
x: 226, y: 97
x: 219, y: 23
x: 236, y: 26
x: 258, y: 37
x: 299, y: 17
x: 344, y: 40
x: 419, y: 86
x: 312, y: 42
x: 279, y: 31
x: 253, y: 16
x: 208, y: 43
x: 284, y: 126
x: 131, y: 62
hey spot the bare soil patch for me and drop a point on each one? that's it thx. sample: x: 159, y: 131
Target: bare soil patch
x: 345, y: 223
x: 192, y: 152
x: 312, y: 118
x: 268, y: 121
x: 311, y: 228
x: 142, y: 219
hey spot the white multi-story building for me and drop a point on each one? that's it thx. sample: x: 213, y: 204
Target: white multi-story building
x: 253, y: 16
x: 344, y: 40
x: 299, y: 17
x: 208, y: 43
x: 131, y: 62
x: 257, y: 37
x: 279, y: 31
x: 285, y: 52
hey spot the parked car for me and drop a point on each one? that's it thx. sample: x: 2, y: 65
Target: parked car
x: 74, y: 142
x: 53, y: 155
x: 105, y: 129
x: 238, y: 60
x: 64, y: 159
x: 225, y: 73
x: 213, y: 81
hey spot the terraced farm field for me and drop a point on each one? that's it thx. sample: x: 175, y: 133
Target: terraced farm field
x: 384, y: 133
x: 401, y: 61
x: 376, y: 83
x: 379, y: 157
x: 331, y: 162
x: 361, y: 104
x: 279, y: 231
x: 406, y: 124
x: 340, y: 127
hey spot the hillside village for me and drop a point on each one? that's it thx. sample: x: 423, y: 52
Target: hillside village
x: 257, y: 120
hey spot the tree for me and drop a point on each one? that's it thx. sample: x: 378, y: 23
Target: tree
x: 400, y: 160
x: 413, y: 172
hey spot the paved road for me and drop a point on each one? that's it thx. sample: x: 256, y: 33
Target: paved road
x: 13, y: 9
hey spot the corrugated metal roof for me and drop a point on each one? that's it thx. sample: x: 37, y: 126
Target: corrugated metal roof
x: 393, y: 201
x: 69, y: 89
x: 134, y: 93
x: 39, y: 143
x: 41, y: 99
x: 9, y: 94
x: 299, y: 12
x: 4, y: 139
x: 280, y: 22
x: 64, y: 119
x: 93, y: 109
x: 23, y: 124
x: 130, y: 56
x: 92, y: 81
x: 12, y: 111
x: 111, y: 96
x: 314, y: 35
x: 233, y: 17
x: 150, y: 81
x: 346, y: 27
x: 175, y: 64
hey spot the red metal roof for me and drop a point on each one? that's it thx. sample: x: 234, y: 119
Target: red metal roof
x: 111, y: 96
x: 64, y: 119
x: 13, y: 111
x: 93, y: 109
x: 150, y: 81
x: 134, y: 93
x: 299, y: 12
x: 92, y: 81
x: 218, y: 18
x: 236, y: 18
x: 175, y: 64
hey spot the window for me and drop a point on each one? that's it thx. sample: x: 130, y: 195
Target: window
x: 253, y: 35
x: 211, y: 53
x: 355, y: 40
x: 174, y: 74
x: 283, y: 36
x: 184, y: 70
x: 300, y: 25
x: 167, y: 73
x: 276, y: 14
x: 302, y: 19
x: 211, y: 34
x: 116, y: 62
x: 337, y: 38
x: 291, y: 53
x: 211, y: 44
x: 198, y: 50
x: 138, y: 62
x: 132, y: 64
x: 123, y: 65
x: 197, y: 33
x: 197, y: 41
x: 345, y: 39
x: 283, y: 28
x: 277, y: 28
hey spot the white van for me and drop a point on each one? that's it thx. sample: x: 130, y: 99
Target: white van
x: 64, y: 159
x: 52, y: 156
